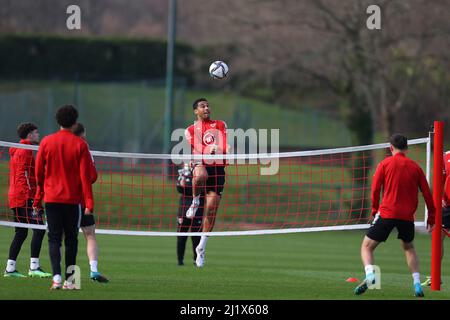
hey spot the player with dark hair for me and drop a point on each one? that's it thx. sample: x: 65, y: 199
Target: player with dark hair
x: 87, y: 220
x: 399, y: 178
x: 63, y: 167
x: 22, y: 187
x: 184, y: 187
x: 207, y: 137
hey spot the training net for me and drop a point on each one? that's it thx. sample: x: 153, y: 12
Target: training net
x: 135, y: 194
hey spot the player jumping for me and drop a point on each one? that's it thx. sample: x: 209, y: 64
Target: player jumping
x: 207, y: 137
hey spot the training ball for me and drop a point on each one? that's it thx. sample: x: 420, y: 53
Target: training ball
x: 218, y: 70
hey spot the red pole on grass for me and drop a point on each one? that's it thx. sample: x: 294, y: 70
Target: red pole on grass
x: 436, y: 246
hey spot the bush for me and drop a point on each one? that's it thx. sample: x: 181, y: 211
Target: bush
x: 88, y: 58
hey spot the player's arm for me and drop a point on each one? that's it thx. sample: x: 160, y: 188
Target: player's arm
x: 425, y: 188
x: 22, y: 168
x: 377, y: 183
x: 85, y: 167
x: 93, y: 170
x: 40, y: 176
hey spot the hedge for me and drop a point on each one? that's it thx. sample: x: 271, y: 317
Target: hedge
x: 88, y: 58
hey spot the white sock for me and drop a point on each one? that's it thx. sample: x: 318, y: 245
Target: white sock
x: 34, y: 263
x: 202, y: 243
x: 10, y: 265
x: 93, y: 265
x: 416, y: 277
x: 57, y: 278
x: 369, y: 269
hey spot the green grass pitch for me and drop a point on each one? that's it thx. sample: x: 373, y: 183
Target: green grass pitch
x: 290, y: 267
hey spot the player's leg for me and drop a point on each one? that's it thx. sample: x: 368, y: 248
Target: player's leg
x: 92, y: 252
x: 406, y: 230
x: 36, y: 244
x: 183, y: 226
x: 378, y: 232
x: 88, y: 227
x: 196, y: 227
x: 212, y: 200
x: 54, y: 216
x: 199, y: 177
x: 20, y: 234
x: 211, y: 207
x: 71, y: 224
x: 413, y: 263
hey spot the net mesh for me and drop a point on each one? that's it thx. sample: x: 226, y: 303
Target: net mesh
x: 310, y: 190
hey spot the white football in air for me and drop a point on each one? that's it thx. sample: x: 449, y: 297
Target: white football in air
x: 218, y: 70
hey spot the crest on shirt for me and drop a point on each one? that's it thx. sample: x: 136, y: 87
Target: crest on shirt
x: 209, y: 138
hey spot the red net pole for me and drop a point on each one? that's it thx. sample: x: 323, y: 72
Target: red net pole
x: 436, y: 243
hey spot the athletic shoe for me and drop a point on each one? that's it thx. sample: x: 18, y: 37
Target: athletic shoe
x: 200, y: 261
x: 180, y: 263
x: 56, y: 285
x: 418, y: 292
x: 39, y: 273
x: 363, y: 286
x: 190, y: 213
x: 96, y: 276
x: 69, y: 286
x: 13, y: 274
x: 427, y: 283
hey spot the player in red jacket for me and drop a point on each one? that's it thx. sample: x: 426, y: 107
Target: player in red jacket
x: 87, y: 220
x: 22, y: 186
x: 399, y: 179
x: 208, y: 137
x: 63, y: 165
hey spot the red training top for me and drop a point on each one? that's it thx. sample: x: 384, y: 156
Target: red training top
x: 202, y: 135
x: 63, y: 165
x: 401, y: 179
x: 22, y: 181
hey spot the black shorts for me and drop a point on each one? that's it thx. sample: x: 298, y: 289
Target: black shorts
x: 216, y: 179
x: 446, y: 218
x: 380, y: 230
x: 27, y: 214
x: 87, y: 220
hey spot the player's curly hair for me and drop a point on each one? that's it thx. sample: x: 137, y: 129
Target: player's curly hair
x: 66, y: 116
x: 25, y: 128
x: 195, y: 104
x: 399, y: 141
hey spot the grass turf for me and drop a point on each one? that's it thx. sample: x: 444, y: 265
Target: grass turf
x: 290, y: 267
